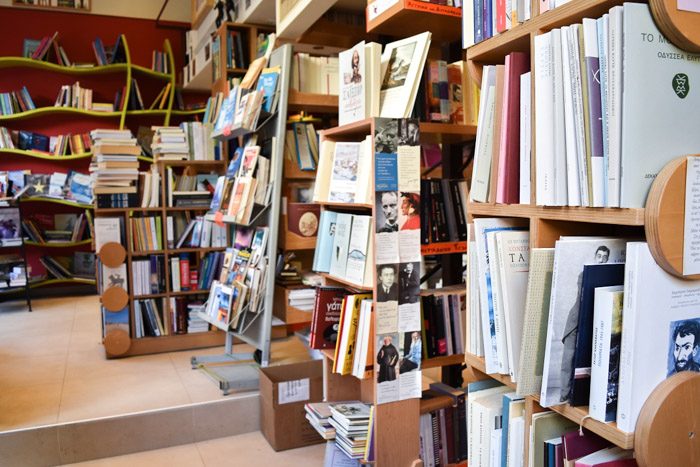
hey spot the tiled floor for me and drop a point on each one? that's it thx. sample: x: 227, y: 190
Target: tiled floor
x: 234, y: 451
x: 53, y: 369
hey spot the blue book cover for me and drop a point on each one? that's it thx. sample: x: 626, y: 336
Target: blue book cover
x: 324, y: 245
x: 115, y: 320
x: 268, y: 85
x: 386, y: 172
x: 507, y: 399
x: 487, y: 19
x: 594, y: 275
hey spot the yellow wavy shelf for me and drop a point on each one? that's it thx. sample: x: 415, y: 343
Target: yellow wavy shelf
x: 59, y: 245
x: 57, y: 111
x: 43, y: 155
x: 39, y: 199
x: 15, y: 62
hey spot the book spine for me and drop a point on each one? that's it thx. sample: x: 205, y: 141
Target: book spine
x: 185, y: 272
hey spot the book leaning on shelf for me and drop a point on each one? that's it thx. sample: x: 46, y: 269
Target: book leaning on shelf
x: 344, y: 172
x: 236, y: 298
x: 16, y: 101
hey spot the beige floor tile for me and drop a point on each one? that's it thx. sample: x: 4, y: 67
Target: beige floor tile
x: 252, y: 449
x: 29, y: 406
x: 36, y: 345
x: 92, y: 364
x: 199, y: 386
x: 123, y: 393
x: 178, y: 456
x: 30, y: 371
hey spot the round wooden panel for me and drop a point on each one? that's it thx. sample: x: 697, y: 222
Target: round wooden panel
x: 115, y: 299
x: 664, y: 218
x: 668, y: 427
x: 117, y: 342
x: 680, y: 27
x: 112, y: 254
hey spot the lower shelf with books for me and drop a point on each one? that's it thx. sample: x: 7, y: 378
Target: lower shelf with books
x: 566, y: 213
x: 344, y: 282
x: 285, y: 311
x: 578, y: 415
x: 443, y: 248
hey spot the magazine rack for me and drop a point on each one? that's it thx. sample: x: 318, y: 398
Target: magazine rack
x: 238, y: 371
x: 10, y: 291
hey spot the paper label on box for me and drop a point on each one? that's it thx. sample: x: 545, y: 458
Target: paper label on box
x: 294, y: 391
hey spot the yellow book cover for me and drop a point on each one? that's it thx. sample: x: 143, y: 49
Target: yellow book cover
x: 340, y: 333
x: 351, y: 330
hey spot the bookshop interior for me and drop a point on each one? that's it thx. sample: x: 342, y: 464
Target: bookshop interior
x: 391, y: 233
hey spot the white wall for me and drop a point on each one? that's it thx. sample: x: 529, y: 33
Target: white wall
x: 177, y: 10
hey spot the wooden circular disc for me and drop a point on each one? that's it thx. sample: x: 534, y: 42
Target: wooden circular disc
x: 668, y: 427
x: 115, y: 299
x: 664, y: 218
x: 112, y: 254
x: 117, y: 342
x: 680, y: 27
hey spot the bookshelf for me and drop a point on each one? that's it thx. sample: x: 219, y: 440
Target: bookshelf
x: 171, y: 341
x: 547, y: 224
x: 409, y: 17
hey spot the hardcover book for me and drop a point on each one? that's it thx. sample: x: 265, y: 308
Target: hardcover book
x: 341, y: 240
x: 352, y: 100
x: 326, y: 317
x: 324, y: 243
x: 303, y: 219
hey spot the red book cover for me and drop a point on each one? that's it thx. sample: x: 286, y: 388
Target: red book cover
x: 508, y: 185
x: 194, y: 276
x: 326, y: 317
x: 302, y: 219
x: 500, y: 15
x: 184, y: 273
x: 180, y: 316
x: 577, y: 446
x: 454, y: 81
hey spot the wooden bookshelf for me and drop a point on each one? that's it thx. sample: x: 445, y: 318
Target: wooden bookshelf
x: 460, y: 289
x: 435, y: 403
x: 310, y: 103
x: 409, y: 17
x: 344, y: 282
x: 443, y: 248
x: 616, y: 216
x: 437, y: 362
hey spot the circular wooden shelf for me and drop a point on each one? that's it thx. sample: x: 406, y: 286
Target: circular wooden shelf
x: 117, y: 342
x: 668, y: 427
x: 664, y: 218
x: 112, y: 254
x: 115, y: 299
x: 680, y: 27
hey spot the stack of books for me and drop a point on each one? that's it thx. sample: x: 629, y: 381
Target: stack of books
x: 352, y: 423
x: 114, y: 167
x: 200, y: 143
x: 195, y: 323
x: 170, y: 143
x: 318, y: 414
x: 302, y: 299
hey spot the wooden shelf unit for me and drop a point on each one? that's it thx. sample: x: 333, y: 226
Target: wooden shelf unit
x: 409, y: 17
x: 547, y: 224
x: 172, y: 342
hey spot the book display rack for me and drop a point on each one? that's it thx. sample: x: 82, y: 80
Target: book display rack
x: 547, y: 224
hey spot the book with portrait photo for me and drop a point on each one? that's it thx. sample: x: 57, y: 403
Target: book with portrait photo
x: 359, y: 82
x: 303, y: 219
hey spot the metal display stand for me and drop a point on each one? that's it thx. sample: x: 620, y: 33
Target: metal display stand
x: 239, y: 371
x: 16, y: 204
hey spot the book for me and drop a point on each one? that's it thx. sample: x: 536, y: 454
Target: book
x: 545, y: 426
x: 357, y: 249
x: 605, y: 360
x: 358, y: 82
x: 570, y: 256
x: 341, y: 241
x: 325, y: 241
x: 326, y: 316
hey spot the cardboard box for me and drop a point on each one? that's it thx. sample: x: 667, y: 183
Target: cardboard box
x: 284, y: 390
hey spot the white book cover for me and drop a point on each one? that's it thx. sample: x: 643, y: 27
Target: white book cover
x: 357, y: 249
x: 107, y: 229
x: 560, y: 166
x: 474, y: 428
x: 175, y: 273
x: 614, y: 98
x: 497, y: 299
x: 516, y: 442
x: 402, y: 68
x: 344, y: 173
x: 352, y: 102
x: 659, y: 104
x: 481, y: 228
x: 114, y: 277
x: 514, y: 264
x: 570, y: 255
x: 545, y: 168
x: 579, y: 125
x: 573, y: 184
x: 341, y: 241
x: 605, y: 361
x: 483, y: 149
x: 170, y: 231
x: 467, y: 24
x: 495, y: 448
x: 525, y: 137
x: 324, y: 171
x: 654, y: 345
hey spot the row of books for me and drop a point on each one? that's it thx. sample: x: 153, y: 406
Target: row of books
x: 80, y: 267
x: 159, y: 62
x: 443, y: 210
x: 583, y: 310
x: 239, y: 112
x: 315, y: 75
x: 301, y: 145
x: 107, y: 55
x: 496, y: 434
x: 72, y: 186
x: 443, y: 325
x: 189, y: 141
x: 484, y: 19
x: 189, y: 189
x: 236, y: 297
x: 440, y: 98
x: 199, y: 233
x: 351, y: 424
x: 343, y: 251
x: 245, y: 189
x: 182, y: 277
x: 56, y: 228
x: 13, y: 102
x: 148, y: 275
x: 593, y: 148
x: 147, y: 233
x: 443, y: 432
x: 78, y: 97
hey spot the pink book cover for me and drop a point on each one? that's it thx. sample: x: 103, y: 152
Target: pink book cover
x: 500, y: 15
x: 508, y: 185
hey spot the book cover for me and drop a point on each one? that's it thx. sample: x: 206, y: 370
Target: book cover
x: 344, y: 175
x: 341, y: 240
x: 650, y: 141
x: 605, y: 361
x: 325, y: 240
x: 594, y: 276
x: 353, y: 85
x: 357, y: 249
x: 654, y: 345
x: 571, y: 254
x: 267, y: 83
x: 326, y: 317
x: 303, y: 219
